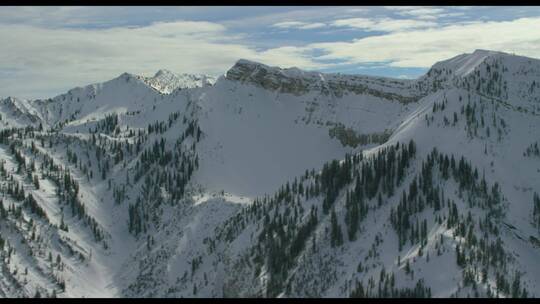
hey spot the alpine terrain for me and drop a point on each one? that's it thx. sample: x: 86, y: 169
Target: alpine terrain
x: 271, y: 182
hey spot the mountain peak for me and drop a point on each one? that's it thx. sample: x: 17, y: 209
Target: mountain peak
x: 289, y: 80
x: 462, y: 65
x: 163, y: 72
x: 126, y: 75
x: 243, y: 61
x: 166, y: 81
x: 485, y: 52
x: 244, y: 66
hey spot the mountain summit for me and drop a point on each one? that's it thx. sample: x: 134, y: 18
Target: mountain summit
x: 166, y: 81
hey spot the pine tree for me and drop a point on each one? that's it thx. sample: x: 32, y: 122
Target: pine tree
x: 336, y: 239
x: 407, y: 267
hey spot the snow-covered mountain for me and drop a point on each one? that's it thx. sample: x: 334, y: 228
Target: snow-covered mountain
x: 166, y: 81
x: 273, y: 182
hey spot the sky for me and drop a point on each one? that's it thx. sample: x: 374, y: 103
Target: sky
x: 46, y: 51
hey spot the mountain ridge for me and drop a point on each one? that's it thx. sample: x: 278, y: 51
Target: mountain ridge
x: 277, y: 183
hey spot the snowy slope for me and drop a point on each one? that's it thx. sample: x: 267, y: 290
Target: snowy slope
x: 189, y: 187
x: 18, y: 113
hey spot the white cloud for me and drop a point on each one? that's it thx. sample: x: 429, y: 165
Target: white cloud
x: 95, y: 16
x: 313, y: 25
x: 298, y: 25
x: 292, y: 14
x: 363, y: 23
x: 383, y: 24
x: 422, y: 48
x: 290, y: 56
x: 426, y: 12
x: 39, y: 62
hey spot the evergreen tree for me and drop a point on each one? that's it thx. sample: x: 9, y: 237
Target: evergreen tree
x: 336, y: 239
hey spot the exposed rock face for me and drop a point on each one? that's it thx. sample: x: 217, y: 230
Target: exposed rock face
x: 267, y: 77
x: 298, y: 82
